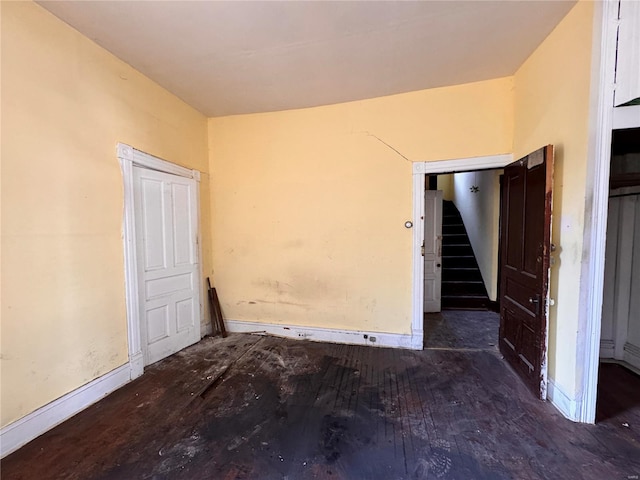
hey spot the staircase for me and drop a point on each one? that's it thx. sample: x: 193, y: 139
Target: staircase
x: 462, y: 285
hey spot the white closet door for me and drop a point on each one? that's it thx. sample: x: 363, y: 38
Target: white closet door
x: 166, y: 236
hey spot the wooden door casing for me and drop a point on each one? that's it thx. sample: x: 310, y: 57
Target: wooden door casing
x: 525, y: 261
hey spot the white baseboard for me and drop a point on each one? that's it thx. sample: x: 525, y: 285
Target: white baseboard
x: 353, y: 337
x: 417, y: 340
x: 136, y: 363
x: 607, y: 349
x: 568, y: 406
x: 631, y: 354
x: 31, y: 426
x: 205, y: 329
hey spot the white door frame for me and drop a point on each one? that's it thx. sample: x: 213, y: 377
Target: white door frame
x: 420, y: 170
x: 601, y: 123
x: 130, y: 157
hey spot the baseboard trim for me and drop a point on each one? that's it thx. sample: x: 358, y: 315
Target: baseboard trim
x: 607, y: 349
x: 569, y: 407
x: 352, y: 337
x: 631, y: 354
x: 31, y: 426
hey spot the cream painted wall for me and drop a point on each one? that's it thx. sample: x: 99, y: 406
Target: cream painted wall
x: 480, y: 213
x: 309, y: 205
x: 445, y: 183
x: 552, y: 107
x: 66, y: 103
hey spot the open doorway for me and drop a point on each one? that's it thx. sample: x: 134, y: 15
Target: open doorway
x: 619, y: 379
x: 525, y: 252
x: 467, y: 246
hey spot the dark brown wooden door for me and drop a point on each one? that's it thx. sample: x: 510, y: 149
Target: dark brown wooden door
x: 524, y: 272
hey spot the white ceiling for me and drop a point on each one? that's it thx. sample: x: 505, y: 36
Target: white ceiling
x: 233, y: 57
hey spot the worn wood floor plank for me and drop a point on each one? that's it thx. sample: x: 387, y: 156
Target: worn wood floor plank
x: 249, y: 407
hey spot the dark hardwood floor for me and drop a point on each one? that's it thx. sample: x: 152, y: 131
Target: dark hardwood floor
x: 250, y: 407
x: 462, y: 329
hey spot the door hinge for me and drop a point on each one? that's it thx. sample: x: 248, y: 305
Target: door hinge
x: 422, y: 250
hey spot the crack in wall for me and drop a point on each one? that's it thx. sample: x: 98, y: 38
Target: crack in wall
x: 369, y: 134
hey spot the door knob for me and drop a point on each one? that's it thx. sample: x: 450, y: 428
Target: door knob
x: 438, y: 265
x: 533, y: 300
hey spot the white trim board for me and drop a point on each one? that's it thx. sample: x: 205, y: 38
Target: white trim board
x: 463, y: 164
x: 351, y: 337
x: 31, y: 426
x: 626, y: 117
x: 631, y: 354
x: 607, y: 349
x: 568, y: 406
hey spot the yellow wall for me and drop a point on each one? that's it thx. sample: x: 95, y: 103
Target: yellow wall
x: 445, y: 183
x: 308, y: 206
x: 66, y: 103
x: 552, y: 107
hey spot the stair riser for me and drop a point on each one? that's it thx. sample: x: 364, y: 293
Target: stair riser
x: 449, y: 274
x: 456, y: 250
x: 453, y: 229
x: 458, y: 262
x: 464, y: 304
x: 461, y: 289
x: 454, y: 239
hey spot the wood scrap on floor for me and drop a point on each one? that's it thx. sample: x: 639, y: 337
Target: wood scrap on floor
x: 215, y: 312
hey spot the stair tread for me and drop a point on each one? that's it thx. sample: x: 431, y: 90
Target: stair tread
x: 482, y: 297
x: 463, y: 281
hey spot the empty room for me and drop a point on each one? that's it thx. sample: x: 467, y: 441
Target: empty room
x: 342, y: 240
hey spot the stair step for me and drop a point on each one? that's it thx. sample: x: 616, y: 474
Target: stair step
x: 461, y: 273
x: 454, y: 239
x: 474, y: 302
x: 458, y: 261
x: 463, y: 288
x: 457, y: 250
x: 453, y: 229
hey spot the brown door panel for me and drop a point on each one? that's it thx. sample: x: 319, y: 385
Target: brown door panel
x: 524, y: 259
x: 521, y: 294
